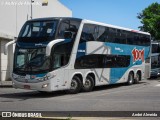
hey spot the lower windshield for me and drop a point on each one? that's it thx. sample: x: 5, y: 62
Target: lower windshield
x: 31, y: 60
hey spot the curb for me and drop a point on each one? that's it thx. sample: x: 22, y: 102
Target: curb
x: 5, y: 84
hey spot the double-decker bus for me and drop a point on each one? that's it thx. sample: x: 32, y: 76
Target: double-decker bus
x: 76, y: 54
x: 155, y: 59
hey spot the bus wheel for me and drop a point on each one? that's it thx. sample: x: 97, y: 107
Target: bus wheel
x: 89, y: 84
x: 138, y: 78
x: 76, y: 85
x: 130, y: 79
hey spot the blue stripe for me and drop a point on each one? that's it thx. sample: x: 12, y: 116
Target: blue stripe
x: 122, y: 49
x: 81, y: 50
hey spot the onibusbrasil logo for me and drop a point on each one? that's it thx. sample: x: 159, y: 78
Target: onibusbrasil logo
x: 21, y: 114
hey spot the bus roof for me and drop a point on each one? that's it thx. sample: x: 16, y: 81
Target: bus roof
x: 90, y: 22
x: 55, y: 18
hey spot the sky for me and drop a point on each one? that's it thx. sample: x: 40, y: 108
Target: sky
x: 116, y: 12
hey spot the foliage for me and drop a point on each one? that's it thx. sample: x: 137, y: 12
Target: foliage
x: 150, y: 19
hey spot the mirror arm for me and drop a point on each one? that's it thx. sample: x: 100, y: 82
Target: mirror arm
x: 51, y: 44
x: 8, y: 44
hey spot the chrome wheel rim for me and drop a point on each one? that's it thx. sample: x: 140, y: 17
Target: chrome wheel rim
x: 74, y: 85
x: 87, y: 83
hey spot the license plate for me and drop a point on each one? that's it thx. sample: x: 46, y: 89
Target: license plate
x: 27, y: 87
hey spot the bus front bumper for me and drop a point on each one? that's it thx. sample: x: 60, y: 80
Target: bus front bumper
x: 40, y: 86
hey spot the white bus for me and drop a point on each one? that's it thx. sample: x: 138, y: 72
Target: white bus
x: 76, y: 54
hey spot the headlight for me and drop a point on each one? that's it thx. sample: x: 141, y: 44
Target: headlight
x: 45, y: 78
x: 51, y: 75
x: 14, y: 76
x: 40, y: 79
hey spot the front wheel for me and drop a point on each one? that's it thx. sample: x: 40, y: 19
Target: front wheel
x: 76, y: 85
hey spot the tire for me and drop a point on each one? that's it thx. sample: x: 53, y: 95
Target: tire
x: 138, y: 78
x: 76, y: 85
x: 130, y: 79
x: 89, y: 84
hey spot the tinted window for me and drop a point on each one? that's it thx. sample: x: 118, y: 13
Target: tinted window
x: 155, y: 62
x: 60, y: 54
x: 38, y: 29
x: 89, y: 33
x: 155, y: 48
x: 68, y: 29
x: 112, y: 34
x: 92, y: 32
x: 130, y: 38
x: 145, y: 40
x: 102, y: 34
x: 138, y: 39
x: 102, y: 61
x: 120, y: 37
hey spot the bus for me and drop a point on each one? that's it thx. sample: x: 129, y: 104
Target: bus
x: 155, y: 59
x: 76, y: 54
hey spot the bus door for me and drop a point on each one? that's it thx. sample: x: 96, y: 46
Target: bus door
x: 58, y: 63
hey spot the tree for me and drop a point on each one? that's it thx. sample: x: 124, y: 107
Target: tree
x: 150, y: 18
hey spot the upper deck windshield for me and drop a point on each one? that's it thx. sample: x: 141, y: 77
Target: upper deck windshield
x: 38, y: 30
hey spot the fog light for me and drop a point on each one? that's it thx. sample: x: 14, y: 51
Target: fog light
x: 45, y: 78
x: 45, y: 85
x: 40, y: 79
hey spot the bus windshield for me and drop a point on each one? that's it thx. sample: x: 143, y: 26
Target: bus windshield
x: 38, y: 29
x: 31, y: 60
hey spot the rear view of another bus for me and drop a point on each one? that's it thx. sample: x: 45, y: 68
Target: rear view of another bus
x: 155, y: 59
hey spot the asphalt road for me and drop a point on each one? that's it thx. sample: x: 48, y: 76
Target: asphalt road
x: 144, y: 96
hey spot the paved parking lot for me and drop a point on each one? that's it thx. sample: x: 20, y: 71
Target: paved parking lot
x: 138, y: 97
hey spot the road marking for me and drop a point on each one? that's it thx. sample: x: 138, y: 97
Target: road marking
x: 158, y: 85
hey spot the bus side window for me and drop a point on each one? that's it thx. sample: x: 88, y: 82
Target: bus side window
x: 89, y: 33
x: 130, y: 38
x: 102, y: 34
x: 145, y: 40
x: 68, y: 29
x: 63, y: 27
x: 112, y: 34
x: 71, y: 32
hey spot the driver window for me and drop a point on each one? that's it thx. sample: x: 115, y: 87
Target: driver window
x: 57, y: 61
x: 68, y: 29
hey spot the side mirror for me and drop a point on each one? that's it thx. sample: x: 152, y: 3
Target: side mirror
x: 51, y: 44
x: 7, y: 45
